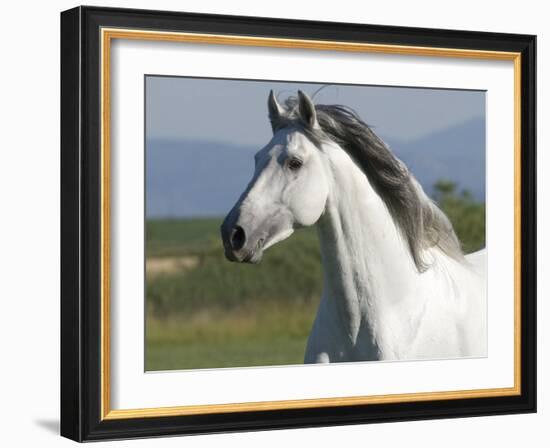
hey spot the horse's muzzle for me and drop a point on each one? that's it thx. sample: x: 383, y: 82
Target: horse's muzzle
x: 237, y: 244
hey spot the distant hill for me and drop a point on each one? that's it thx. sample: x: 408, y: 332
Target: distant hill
x: 195, y: 178
x: 199, y: 178
x: 456, y: 153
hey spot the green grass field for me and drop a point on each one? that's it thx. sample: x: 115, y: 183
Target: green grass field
x: 205, y: 312
x: 264, y: 334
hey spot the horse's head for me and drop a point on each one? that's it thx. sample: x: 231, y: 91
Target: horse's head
x: 288, y: 190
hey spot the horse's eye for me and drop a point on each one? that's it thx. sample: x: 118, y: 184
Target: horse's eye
x: 295, y: 164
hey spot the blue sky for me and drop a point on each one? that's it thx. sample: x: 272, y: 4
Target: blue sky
x: 201, y: 135
x: 235, y: 111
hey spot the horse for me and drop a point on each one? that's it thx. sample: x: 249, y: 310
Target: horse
x: 397, y: 285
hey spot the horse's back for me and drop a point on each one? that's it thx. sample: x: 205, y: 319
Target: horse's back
x: 475, y: 325
x: 478, y: 262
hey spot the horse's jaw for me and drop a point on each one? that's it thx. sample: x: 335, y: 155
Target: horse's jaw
x: 278, y: 238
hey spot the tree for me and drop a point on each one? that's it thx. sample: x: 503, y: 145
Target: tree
x: 465, y: 213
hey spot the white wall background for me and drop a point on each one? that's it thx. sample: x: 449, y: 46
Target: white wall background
x: 29, y: 224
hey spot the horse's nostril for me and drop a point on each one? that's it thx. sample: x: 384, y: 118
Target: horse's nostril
x: 238, y: 238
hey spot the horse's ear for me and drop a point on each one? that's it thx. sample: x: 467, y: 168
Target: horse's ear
x: 307, y: 110
x: 275, y: 111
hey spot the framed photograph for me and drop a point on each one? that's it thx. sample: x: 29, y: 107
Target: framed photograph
x: 274, y: 224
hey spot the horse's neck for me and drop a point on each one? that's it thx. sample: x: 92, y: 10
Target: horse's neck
x: 368, y: 268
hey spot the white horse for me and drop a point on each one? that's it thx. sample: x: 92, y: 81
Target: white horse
x: 396, y: 283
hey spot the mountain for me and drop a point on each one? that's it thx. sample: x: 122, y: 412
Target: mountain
x: 456, y: 153
x: 195, y: 178
x: 187, y: 178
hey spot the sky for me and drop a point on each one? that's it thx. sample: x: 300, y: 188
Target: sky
x: 201, y: 135
x: 235, y: 111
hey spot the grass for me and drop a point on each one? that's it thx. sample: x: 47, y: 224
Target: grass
x: 165, y: 237
x: 221, y: 314
x: 251, y: 336
x: 290, y: 272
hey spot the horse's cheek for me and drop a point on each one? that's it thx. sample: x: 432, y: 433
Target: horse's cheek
x: 309, y: 202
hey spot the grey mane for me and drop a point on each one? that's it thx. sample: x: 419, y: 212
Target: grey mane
x: 421, y: 222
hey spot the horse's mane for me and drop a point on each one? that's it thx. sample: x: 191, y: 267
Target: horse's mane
x: 421, y: 222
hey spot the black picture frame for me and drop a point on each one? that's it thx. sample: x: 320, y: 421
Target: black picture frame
x: 81, y: 224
